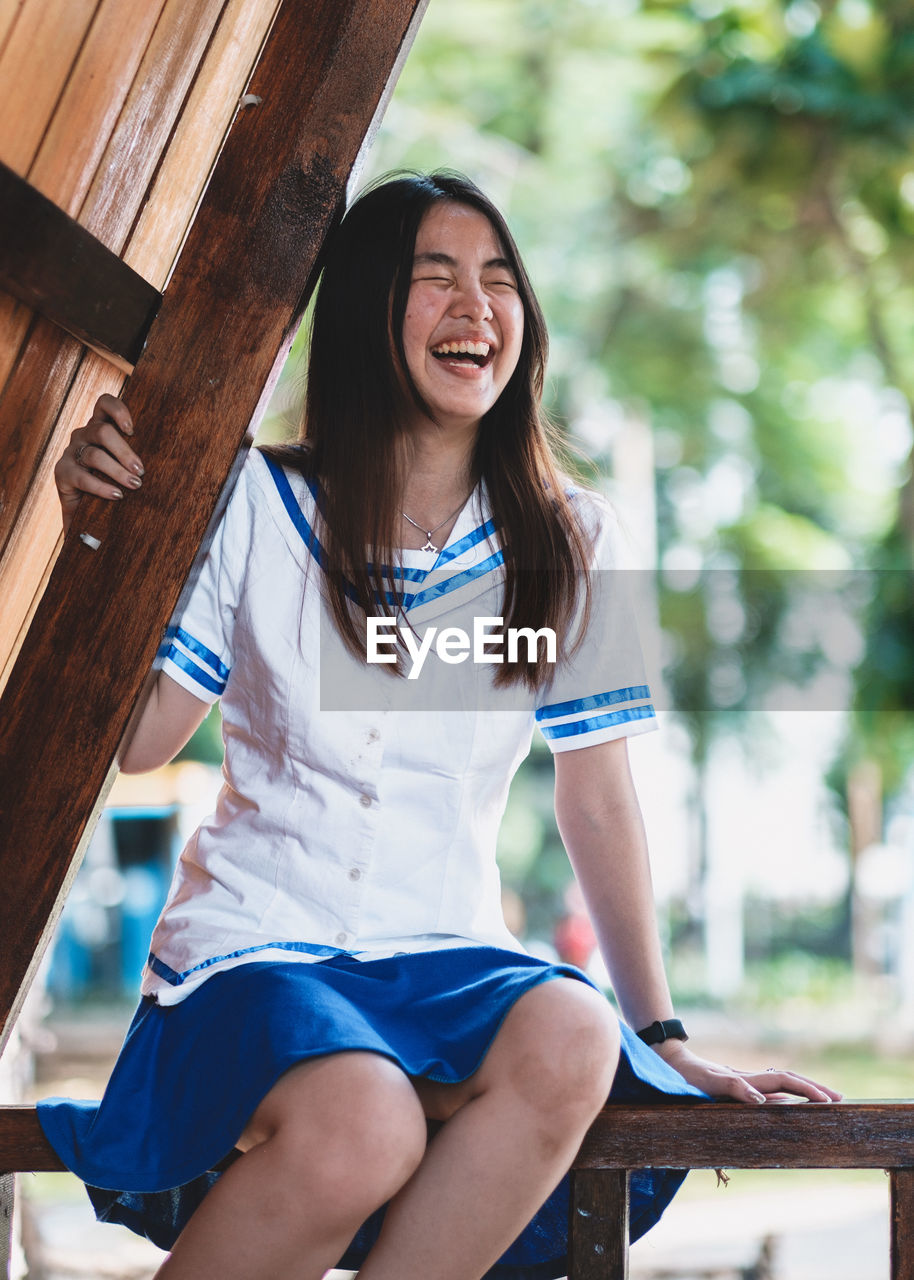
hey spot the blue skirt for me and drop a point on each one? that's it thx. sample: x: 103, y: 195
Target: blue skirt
x: 190, y: 1075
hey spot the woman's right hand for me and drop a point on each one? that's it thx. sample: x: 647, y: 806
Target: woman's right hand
x: 98, y: 459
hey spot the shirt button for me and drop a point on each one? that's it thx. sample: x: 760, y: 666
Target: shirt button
x: 365, y: 801
x: 341, y: 938
x: 355, y: 874
x: 373, y: 735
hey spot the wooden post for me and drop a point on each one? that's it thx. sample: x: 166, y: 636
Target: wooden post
x: 598, y: 1225
x: 901, y: 1249
x: 211, y: 358
x: 7, y: 1191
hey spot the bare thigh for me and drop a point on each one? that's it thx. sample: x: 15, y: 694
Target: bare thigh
x: 560, y: 1029
x: 353, y: 1089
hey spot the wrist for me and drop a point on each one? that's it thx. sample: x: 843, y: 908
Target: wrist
x: 662, y: 1031
x: 671, y: 1051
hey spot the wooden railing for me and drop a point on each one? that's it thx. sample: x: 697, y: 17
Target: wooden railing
x: 844, y: 1135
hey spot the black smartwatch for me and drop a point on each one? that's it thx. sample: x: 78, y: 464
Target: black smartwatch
x: 657, y: 1032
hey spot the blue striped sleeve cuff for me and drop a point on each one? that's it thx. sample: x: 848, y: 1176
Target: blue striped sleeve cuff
x: 583, y: 722
x: 194, y: 666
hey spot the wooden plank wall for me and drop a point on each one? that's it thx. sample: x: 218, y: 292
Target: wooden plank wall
x: 115, y: 110
x: 212, y: 353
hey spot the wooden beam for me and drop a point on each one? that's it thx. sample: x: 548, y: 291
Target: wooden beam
x: 712, y: 1135
x: 211, y: 357
x: 23, y: 1146
x: 55, y: 266
x: 844, y: 1135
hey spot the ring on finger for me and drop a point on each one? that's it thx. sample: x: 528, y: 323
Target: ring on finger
x: 79, y: 454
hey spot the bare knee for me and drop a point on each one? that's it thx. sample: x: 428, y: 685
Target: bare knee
x: 561, y: 1049
x: 351, y: 1122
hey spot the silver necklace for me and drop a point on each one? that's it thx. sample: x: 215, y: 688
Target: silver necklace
x: 429, y: 545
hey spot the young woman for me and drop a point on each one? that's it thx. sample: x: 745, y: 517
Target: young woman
x: 332, y: 969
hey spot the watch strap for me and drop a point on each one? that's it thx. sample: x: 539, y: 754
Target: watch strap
x: 657, y: 1032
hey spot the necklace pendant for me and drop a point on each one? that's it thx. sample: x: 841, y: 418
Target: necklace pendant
x: 429, y: 546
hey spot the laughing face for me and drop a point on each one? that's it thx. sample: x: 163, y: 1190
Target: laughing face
x: 464, y: 320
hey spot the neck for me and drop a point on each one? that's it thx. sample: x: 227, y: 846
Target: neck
x: 438, y: 481
x: 438, y: 477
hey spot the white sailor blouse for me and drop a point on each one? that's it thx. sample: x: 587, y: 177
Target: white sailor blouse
x: 360, y: 809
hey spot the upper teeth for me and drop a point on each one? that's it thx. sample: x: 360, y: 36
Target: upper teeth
x: 462, y: 348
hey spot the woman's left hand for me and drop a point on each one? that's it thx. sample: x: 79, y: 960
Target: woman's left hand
x: 741, y: 1086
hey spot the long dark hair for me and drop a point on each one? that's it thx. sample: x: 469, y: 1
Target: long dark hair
x: 354, y: 437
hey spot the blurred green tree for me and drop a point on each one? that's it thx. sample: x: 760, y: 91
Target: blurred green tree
x: 715, y: 199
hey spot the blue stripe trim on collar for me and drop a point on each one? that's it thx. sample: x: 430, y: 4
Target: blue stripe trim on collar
x: 308, y: 536
x: 469, y: 540
x: 480, y: 533
x: 456, y: 581
x: 552, y: 710
x: 408, y: 575
x: 295, y: 513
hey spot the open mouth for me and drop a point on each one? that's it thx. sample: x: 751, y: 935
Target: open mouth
x: 479, y: 354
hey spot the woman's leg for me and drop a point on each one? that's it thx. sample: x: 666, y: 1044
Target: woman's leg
x: 513, y: 1131
x: 335, y: 1138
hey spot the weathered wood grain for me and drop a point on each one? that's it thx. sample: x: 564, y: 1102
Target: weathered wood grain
x: 598, y: 1225
x: 23, y: 1146
x: 87, y: 110
x: 34, y: 359
x: 150, y: 111
x: 901, y: 1220
x: 208, y: 111
x: 29, y: 99
x: 862, y: 1135
x: 55, y: 266
x: 213, y: 351
x: 42, y: 136
x: 14, y: 325
x: 9, y: 11
x: 36, y: 534
x: 20, y: 605
x: 29, y: 403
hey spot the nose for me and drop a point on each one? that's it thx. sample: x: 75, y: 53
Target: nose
x: 471, y: 302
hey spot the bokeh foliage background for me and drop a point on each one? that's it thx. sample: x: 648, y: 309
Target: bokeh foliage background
x: 716, y: 200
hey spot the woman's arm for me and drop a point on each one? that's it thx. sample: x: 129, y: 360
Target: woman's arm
x: 599, y: 819
x: 166, y: 722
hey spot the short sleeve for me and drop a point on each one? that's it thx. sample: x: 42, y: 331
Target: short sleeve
x: 197, y: 648
x: 601, y: 691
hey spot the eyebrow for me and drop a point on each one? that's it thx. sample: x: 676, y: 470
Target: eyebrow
x: 445, y: 260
